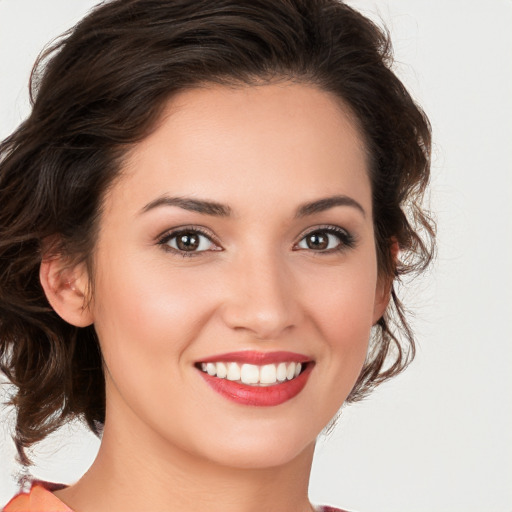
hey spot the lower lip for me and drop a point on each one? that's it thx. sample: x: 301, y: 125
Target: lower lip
x: 263, y: 396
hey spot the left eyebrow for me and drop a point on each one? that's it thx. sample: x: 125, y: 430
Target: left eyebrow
x: 321, y: 205
x: 193, y: 205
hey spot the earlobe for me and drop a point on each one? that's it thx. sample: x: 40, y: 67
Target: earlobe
x: 385, y: 285
x: 66, y: 290
x: 382, y: 298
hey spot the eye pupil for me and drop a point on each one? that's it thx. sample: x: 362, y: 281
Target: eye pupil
x: 317, y: 241
x: 187, y: 241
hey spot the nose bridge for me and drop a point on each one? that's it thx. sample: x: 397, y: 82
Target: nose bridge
x: 262, y: 299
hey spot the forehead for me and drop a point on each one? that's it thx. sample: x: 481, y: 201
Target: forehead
x: 254, y: 145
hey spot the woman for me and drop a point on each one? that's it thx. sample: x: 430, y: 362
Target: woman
x: 201, y: 224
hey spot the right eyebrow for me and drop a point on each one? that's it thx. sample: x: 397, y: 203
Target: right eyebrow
x: 325, y: 203
x: 193, y: 205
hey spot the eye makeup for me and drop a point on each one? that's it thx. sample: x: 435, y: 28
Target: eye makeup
x: 322, y: 235
x: 193, y: 241
x: 185, y: 241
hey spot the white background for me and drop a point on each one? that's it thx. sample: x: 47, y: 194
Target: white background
x: 439, y: 437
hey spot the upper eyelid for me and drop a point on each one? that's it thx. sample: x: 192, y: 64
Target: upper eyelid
x: 324, y: 227
x: 348, y: 239
x: 327, y: 227
x: 169, y: 233
x: 164, y: 239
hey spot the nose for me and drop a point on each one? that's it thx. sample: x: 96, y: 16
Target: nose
x: 261, y: 300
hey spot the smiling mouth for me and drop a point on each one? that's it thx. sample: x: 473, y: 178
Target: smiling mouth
x: 252, y: 374
x: 257, y: 378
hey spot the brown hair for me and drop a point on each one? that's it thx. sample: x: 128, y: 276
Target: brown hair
x: 100, y: 89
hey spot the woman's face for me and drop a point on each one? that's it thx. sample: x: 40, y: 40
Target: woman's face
x: 239, y: 239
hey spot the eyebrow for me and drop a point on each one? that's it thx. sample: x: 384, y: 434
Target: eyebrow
x: 193, y: 205
x: 221, y: 210
x: 321, y: 205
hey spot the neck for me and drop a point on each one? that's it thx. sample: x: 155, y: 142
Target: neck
x: 136, y: 470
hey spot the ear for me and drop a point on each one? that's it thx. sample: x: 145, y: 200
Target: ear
x: 66, y: 289
x: 382, y: 297
x: 384, y: 284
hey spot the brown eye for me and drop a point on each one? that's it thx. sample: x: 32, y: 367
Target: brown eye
x: 327, y: 240
x: 188, y: 241
x: 318, y: 241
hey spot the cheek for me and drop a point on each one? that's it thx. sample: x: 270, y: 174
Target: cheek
x: 147, y: 317
x: 341, y: 305
x: 342, y: 298
x: 144, y: 312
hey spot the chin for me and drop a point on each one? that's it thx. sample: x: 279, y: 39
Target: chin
x: 259, y: 446
x: 255, y: 457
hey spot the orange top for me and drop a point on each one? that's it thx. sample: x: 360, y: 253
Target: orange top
x: 39, y: 499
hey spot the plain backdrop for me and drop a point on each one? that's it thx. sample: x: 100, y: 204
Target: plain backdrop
x: 439, y: 437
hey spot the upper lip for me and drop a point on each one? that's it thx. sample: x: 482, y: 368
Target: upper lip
x: 257, y: 358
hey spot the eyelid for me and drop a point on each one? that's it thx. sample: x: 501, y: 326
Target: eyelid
x: 347, y: 238
x: 163, y: 238
x: 187, y: 227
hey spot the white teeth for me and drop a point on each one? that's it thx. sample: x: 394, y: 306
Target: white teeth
x: 290, y: 372
x: 222, y: 370
x: 233, y: 371
x: 268, y: 374
x: 281, y: 372
x: 211, y: 369
x: 252, y: 374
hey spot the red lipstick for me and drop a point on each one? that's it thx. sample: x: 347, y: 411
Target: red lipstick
x: 257, y: 395
x: 259, y: 358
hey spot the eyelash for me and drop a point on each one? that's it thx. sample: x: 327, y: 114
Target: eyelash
x: 347, y: 240
x: 167, y: 237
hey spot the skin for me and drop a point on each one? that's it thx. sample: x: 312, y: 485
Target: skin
x: 263, y: 151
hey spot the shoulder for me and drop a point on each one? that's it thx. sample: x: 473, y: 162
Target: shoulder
x: 38, y: 499
x: 329, y: 509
